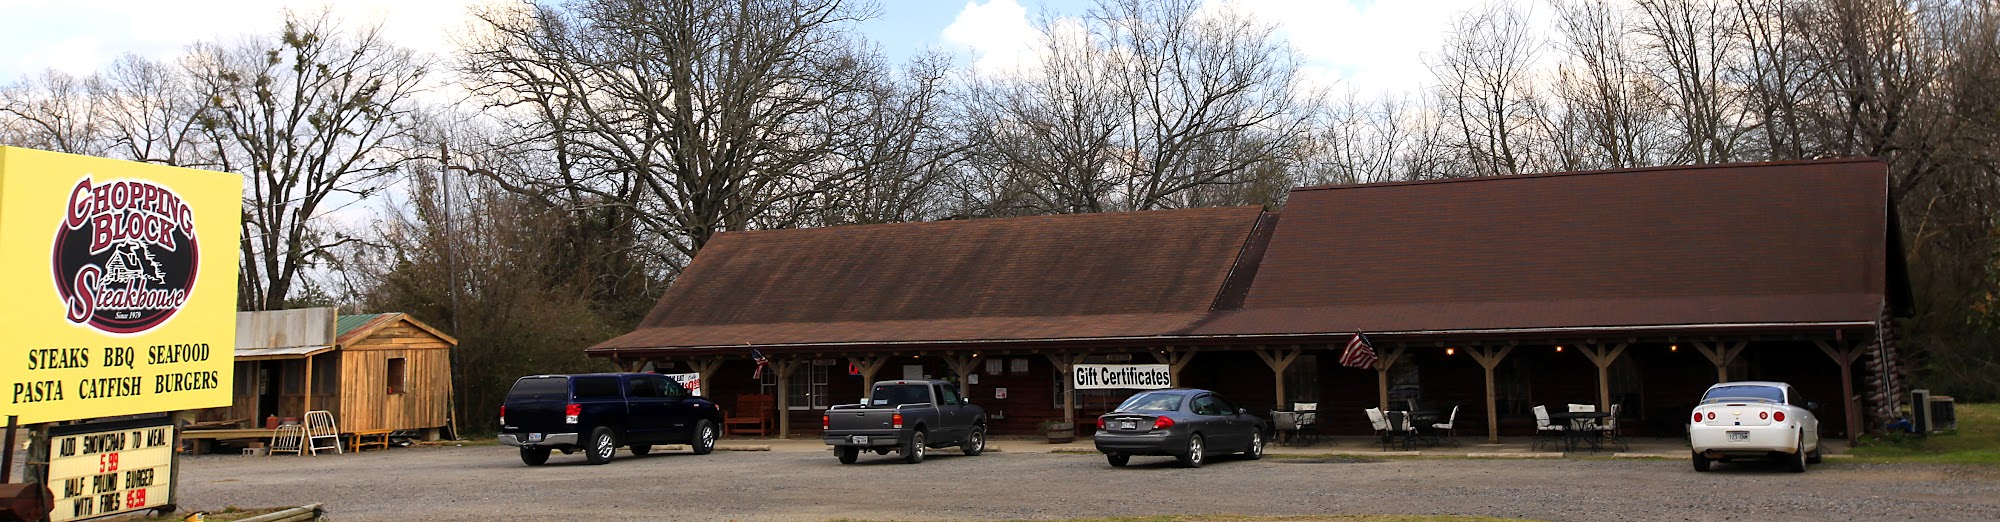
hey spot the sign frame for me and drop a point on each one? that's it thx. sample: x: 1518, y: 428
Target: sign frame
x: 66, y: 449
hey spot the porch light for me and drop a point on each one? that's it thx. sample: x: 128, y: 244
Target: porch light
x: 1673, y: 347
x: 1449, y: 351
x: 1559, y: 348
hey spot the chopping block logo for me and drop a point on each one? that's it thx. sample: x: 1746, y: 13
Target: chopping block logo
x: 125, y: 255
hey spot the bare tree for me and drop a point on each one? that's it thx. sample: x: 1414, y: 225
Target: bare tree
x: 149, y: 112
x: 1614, y: 105
x: 54, y: 111
x: 304, y: 116
x: 1694, y: 44
x: 1486, y: 86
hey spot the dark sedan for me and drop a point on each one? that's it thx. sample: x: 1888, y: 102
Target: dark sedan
x: 1182, y: 423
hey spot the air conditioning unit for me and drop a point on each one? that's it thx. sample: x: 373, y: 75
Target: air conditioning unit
x: 1943, y: 414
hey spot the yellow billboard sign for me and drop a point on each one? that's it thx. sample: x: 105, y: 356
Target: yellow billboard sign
x: 120, y: 283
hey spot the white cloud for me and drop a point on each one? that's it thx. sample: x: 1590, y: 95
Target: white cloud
x: 1372, y: 47
x: 997, y: 33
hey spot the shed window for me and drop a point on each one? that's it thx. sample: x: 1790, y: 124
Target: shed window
x: 398, y: 374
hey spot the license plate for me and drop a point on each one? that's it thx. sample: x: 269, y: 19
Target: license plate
x: 857, y: 439
x: 1129, y: 425
x: 534, y: 437
x: 1739, y: 436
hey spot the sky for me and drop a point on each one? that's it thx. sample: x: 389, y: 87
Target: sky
x: 1368, y: 46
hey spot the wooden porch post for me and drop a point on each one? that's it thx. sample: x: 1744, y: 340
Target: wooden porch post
x: 868, y: 365
x: 1382, y: 365
x: 309, y: 383
x: 1489, y: 357
x: 1720, y: 356
x: 784, y: 367
x: 960, y: 364
x: 1603, y: 357
x: 1278, y: 361
x: 704, y: 369
x: 1845, y: 355
x: 1064, y: 362
x: 1175, y: 358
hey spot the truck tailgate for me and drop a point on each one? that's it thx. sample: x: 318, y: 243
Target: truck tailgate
x: 860, y: 420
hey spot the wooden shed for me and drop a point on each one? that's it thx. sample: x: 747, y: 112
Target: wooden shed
x: 374, y: 372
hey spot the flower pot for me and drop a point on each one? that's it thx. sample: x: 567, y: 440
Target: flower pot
x: 1060, y: 432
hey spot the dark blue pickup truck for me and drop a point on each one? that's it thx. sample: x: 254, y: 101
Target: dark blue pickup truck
x: 599, y: 412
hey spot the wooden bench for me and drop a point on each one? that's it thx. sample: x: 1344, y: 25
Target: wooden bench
x: 753, y: 415
x: 359, y: 439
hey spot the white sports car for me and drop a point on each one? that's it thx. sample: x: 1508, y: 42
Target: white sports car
x: 1754, y: 419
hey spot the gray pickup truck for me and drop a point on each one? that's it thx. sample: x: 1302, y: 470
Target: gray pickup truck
x: 907, y: 417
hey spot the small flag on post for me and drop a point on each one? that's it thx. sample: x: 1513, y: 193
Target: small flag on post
x: 758, y: 356
x: 1360, y: 353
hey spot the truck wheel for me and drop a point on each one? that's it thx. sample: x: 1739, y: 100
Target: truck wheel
x: 641, y: 449
x: 534, y: 456
x: 1118, y: 460
x: 913, y: 451
x: 704, y: 437
x: 847, y: 454
x: 602, y: 445
x: 975, y: 442
x: 1701, y: 462
x: 1193, y: 457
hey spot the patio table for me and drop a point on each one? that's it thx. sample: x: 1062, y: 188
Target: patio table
x: 1580, y: 427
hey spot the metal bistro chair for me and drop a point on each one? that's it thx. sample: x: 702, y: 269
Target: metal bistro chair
x: 1399, y: 427
x: 1308, y: 421
x: 1444, y: 431
x: 1381, y: 425
x: 1287, y: 423
x: 321, y: 432
x: 1545, y: 432
x: 1610, y: 429
x: 289, y: 438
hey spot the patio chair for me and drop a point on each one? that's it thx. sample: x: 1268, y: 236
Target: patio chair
x: 1610, y: 429
x: 1381, y: 425
x: 1287, y: 423
x: 1399, y: 428
x: 1308, y: 421
x: 1445, y: 432
x: 1545, y: 432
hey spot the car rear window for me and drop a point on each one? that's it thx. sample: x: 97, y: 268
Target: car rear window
x: 539, y: 388
x: 1152, y: 402
x: 596, y: 387
x: 1744, y: 393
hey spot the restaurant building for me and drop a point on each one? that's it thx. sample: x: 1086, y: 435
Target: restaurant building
x: 1637, y: 287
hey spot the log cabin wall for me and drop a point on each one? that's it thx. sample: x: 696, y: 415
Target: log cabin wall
x: 367, y: 401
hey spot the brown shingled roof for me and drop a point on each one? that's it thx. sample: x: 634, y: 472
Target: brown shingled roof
x: 1746, y: 244
x: 1129, y: 274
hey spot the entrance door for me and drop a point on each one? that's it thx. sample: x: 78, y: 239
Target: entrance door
x: 269, y: 386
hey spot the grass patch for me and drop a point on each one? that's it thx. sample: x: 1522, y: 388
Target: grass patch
x: 1977, y: 441
x: 1287, y: 519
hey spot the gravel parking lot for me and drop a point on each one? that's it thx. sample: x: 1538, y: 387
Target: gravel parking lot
x: 489, y: 482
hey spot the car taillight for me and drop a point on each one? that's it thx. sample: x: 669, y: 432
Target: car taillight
x: 1100, y: 423
x: 1697, y: 416
x: 570, y: 412
x: 1711, y: 415
x: 1764, y: 415
x: 896, y: 421
x: 1779, y: 416
x: 1161, y: 423
x: 503, y: 415
x: 825, y: 422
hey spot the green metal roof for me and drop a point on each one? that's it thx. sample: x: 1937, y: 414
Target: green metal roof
x: 348, y: 323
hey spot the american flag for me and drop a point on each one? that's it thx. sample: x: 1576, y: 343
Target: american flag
x: 1359, y: 354
x: 758, y: 356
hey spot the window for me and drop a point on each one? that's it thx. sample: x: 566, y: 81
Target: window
x: 947, y: 394
x: 1301, y: 381
x: 1152, y: 402
x: 807, y: 390
x: 539, y: 388
x: 642, y: 386
x: 600, y: 387
x: 1206, y: 405
x: 671, y: 388
x: 398, y: 371
x: 326, y: 375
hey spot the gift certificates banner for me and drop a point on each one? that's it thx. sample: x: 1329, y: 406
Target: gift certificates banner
x: 120, y: 281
